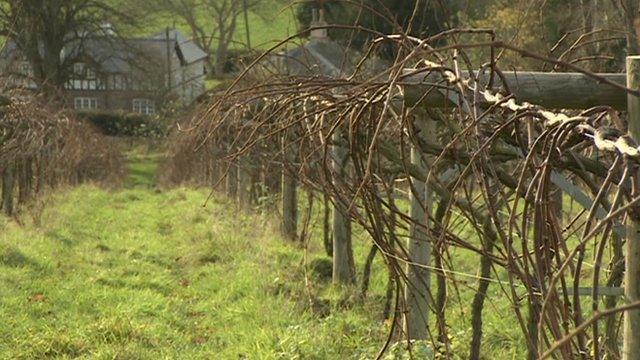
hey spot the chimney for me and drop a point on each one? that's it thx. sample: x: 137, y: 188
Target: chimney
x: 317, y: 19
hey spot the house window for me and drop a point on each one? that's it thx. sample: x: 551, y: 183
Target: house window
x: 117, y: 82
x: 84, y: 78
x: 144, y: 106
x: 85, y: 103
x: 102, y: 83
x: 90, y: 74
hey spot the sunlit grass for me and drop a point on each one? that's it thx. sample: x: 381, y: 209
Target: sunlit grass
x: 144, y: 274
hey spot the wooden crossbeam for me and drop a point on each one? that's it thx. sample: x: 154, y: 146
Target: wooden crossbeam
x: 549, y: 90
x: 582, y: 199
x: 602, y: 291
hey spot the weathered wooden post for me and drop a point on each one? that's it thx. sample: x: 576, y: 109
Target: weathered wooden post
x: 418, y: 249
x: 631, y: 339
x: 343, y: 263
x: 41, y: 172
x: 289, y: 197
x: 25, y: 181
x: 8, y: 181
x: 232, y: 181
x: 214, y: 172
x: 271, y: 183
x: 244, y: 185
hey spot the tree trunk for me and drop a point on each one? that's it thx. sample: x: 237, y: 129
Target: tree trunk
x: 532, y: 327
x: 588, y: 10
x: 441, y: 281
x: 225, y: 34
x: 632, y: 17
x: 483, y: 284
x: 612, y: 348
x: 221, y: 60
x: 391, y: 281
x: 366, y: 272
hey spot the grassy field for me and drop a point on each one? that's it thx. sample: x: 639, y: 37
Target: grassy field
x: 142, y: 273
x: 146, y: 273
x: 269, y: 22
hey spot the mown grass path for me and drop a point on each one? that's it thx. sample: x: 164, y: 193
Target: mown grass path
x: 140, y: 273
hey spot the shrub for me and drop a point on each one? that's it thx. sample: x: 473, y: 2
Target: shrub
x: 123, y: 124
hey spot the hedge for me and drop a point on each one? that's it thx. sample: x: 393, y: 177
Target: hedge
x: 126, y: 124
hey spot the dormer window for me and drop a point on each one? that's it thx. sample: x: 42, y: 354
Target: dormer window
x: 78, y: 69
x: 84, y: 78
x: 90, y: 73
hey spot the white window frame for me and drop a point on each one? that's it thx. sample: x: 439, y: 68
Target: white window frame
x: 144, y: 106
x: 117, y: 82
x: 84, y: 78
x: 85, y: 103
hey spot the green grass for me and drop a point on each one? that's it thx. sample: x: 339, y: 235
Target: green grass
x: 147, y: 274
x: 142, y: 171
x: 144, y: 273
x: 274, y: 23
x: 269, y: 22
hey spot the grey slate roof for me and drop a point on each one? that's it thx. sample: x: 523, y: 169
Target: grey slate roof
x: 189, y: 50
x: 319, y: 57
x: 116, y: 55
x: 120, y: 56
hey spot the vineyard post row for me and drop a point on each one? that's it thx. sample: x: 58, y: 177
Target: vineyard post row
x: 552, y: 90
x: 548, y: 90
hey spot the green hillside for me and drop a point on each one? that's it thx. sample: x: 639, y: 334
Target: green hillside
x: 269, y: 23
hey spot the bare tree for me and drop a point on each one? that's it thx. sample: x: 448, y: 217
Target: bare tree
x: 212, y: 23
x: 42, y: 30
x: 631, y: 10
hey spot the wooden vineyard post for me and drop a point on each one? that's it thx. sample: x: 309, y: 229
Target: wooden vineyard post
x: 244, y: 185
x: 8, y: 181
x: 214, y: 173
x: 343, y: 263
x: 232, y: 181
x: 631, y: 339
x: 289, y: 197
x: 419, y: 252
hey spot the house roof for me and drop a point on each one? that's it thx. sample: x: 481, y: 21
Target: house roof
x: 120, y: 56
x: 319, y: 57
x: 116, y: 55
x: 190, y: 51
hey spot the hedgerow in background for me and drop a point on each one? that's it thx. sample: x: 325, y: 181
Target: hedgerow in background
x: 44, y: 147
